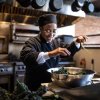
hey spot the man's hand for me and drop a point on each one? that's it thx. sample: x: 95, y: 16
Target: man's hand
x: 59, y: 51
x: 81, y: 39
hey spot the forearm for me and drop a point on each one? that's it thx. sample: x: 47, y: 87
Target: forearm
x: 43, y: 56
x: 52, y: 53
x: 74, y: 47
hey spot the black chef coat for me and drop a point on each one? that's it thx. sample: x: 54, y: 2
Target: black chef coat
x: 37, y: 73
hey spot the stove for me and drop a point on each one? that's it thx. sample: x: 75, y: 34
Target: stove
x: 20, y: 67
x: 10, y: 72
x: 20, y: 71
x: 6, y: 69
x: 6, y: 76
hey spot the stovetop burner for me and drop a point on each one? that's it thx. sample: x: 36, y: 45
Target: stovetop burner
x: 5, y: 68
x: 20, y: 66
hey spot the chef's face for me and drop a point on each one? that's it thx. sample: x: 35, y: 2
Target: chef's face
x: 48, y: 31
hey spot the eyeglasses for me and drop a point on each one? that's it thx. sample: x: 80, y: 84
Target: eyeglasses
x: 50, y: 31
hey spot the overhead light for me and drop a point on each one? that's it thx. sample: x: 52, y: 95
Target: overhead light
x: 77, y: 5
x: 88, y: 7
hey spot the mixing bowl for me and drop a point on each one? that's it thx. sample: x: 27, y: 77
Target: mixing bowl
x: 71, y: 76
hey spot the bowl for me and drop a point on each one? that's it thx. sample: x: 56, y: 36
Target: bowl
x: 71, y: 77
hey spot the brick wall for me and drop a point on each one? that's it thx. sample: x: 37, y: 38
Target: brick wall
x: 89, y: 25
x: 86, y: 26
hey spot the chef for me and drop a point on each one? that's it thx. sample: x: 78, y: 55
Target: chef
x: 42, y: 52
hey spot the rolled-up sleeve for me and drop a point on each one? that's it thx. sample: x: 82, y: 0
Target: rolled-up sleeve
x: 73, y: 48
x: 77, y: 45
x: 42, y: 57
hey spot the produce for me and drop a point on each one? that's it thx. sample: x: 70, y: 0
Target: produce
x: 22, y: 92
x: 62, y: 71
x: 65, y: 71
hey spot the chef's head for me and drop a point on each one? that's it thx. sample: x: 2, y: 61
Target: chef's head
x: 48, y: 25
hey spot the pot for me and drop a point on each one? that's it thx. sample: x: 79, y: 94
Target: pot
x: 55, y: 5
x: 37, y: 4
x: 88, y: 7
x: 24, y: 3
x: 73, y: 78
x: 77, y: 5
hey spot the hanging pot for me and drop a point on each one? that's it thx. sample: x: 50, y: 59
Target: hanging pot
x: 24, y: 3
x: 88, y: 7
x: 37, y: 4
x: 2, y: 1
x: 77, y: 5
x: 55, y: 5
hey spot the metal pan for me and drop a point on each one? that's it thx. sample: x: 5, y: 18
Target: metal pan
x: 72, y: 78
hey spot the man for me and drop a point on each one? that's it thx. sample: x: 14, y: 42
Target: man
x: 42, y: 52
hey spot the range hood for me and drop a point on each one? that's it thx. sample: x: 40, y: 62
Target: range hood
x: 30, y: 16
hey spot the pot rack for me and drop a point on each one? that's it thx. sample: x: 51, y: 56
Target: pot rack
x: 30, y: 16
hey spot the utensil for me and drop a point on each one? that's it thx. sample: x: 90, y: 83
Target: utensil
x: 73, y: 77
x: 81, y: 46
